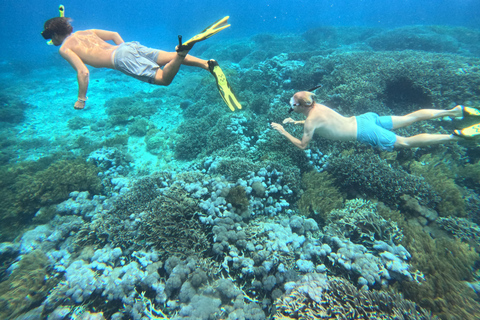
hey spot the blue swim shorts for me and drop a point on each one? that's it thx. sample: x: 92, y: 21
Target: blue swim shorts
x: 137, y: 61
x: 374, y: 130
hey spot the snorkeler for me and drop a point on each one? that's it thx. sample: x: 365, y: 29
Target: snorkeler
x: 90, y: 47
x: 370, y: 128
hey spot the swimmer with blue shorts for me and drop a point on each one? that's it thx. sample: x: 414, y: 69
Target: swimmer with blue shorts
x: 370, y: 128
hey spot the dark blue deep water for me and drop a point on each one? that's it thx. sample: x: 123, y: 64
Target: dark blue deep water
x: 160, y: 202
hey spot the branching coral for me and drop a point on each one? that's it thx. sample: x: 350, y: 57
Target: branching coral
x: 320, y: 195
x: 366, y: 174
x: 315, y: 297
x: 28, y: 284
x: 440, y: 176
x: 360, y: 222
x: 447, y: 264
x: 26, y: 188
x: 149, y: 216
x: 408, y: 79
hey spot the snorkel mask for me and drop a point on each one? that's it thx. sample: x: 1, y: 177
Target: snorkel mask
x: 48, y: 34
x: 293, y: 102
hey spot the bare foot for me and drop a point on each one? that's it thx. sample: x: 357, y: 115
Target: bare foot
x: 458, y: 112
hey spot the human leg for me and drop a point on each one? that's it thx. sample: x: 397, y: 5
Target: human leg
x: 165, y: 57
x: 165, y: 76
x: 424, y: 114
x: 424, y: 139
x: 171, y: 62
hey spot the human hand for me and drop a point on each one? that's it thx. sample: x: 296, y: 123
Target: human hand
x: 289, y: 120
x: 277, y: 127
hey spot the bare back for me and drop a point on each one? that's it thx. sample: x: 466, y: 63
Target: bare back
x: 90, y: 48
x: 330, y: 124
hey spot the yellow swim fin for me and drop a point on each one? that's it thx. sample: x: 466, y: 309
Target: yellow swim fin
x: 214, y: 28
x: 469, y: 112
x: 469, y: 132
x: 223, y: 86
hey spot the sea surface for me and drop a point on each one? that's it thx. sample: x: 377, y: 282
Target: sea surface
x: 159, y: 202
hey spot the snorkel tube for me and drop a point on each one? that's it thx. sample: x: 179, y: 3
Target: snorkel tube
x: 61, y: 12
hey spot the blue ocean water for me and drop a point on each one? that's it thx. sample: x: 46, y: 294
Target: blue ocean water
x: 157, y: 23
x: 158, y: 202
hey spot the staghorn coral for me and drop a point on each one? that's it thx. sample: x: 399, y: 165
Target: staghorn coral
x: 316, y: 297
x: 320, y: 195
x: 29, y: 186
x: 404, y: 81
x: 123, y: 110
x: 360, y: 222
x: 367, y: 175
x: 440, y: 176
x: 446, y: 264
x: 28, y: 284
x: 462, y: 229
x: 152, y: 214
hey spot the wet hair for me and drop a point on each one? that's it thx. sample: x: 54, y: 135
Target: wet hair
x: 58, y: 25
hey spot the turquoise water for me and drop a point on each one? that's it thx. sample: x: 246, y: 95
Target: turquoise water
x: 159, y: 202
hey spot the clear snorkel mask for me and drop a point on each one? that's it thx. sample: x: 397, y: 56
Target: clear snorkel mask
x: 293, y: 104
x: 48, y: 34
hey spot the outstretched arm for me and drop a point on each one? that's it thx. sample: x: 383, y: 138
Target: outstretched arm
x: 290, y: 120
x: 302, y: 144
x: 109, y: 35
x: 82, y: 75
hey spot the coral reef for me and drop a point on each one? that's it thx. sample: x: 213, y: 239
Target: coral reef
x: 124, y: 110
x: 414, y: 38
x: 315, y: 296
x: 447, y: 265
x: 440, y: 176
x: 391, y: 82
x: 360, y: 222
x: 240, y: 224
x: 366, y: 174
x: 146, y: 215
x: 27, y: 285
x: 28, y: 187
x: 77, y: 123
x: 320, y: 196
x: 12, y: 110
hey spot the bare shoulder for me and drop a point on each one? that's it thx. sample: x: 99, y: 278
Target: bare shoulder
x: 85, y: 32
x: 76, y: 38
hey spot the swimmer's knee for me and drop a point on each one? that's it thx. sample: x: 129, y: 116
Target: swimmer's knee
x: 401, y: 142
x: 160, y: 81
